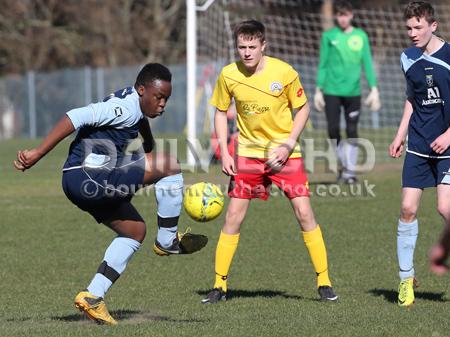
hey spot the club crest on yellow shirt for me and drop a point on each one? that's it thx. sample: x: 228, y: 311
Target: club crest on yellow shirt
x: 276, y: 87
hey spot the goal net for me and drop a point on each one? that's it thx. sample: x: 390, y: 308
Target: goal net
x: 293, y: 32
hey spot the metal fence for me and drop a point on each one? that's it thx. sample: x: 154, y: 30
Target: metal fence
x: 32, y: 103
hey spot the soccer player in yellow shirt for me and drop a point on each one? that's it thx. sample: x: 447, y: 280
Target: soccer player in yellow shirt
x: 266, y: 91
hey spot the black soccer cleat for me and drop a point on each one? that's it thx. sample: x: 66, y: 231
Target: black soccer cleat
x: 351, y: 180
x: 214, y: 296
x: 326, y: 293
x: 348, y: 181
x: 190, y: 243
x: 184, y: 243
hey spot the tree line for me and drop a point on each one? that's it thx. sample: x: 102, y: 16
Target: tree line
x: 52, y: 34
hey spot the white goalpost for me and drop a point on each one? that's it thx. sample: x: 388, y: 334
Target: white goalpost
x: 194, y: 92
x: 191, y: 60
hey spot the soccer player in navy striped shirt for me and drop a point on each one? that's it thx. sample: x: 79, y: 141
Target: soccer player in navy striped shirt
x: 426, y: 122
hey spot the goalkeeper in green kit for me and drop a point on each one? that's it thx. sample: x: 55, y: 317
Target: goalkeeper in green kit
x: 343, y: 51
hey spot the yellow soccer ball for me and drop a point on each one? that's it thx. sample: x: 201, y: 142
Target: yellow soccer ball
x: 203, y: 201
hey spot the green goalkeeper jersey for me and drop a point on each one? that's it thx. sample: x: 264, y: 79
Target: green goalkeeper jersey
x: 341, y: 57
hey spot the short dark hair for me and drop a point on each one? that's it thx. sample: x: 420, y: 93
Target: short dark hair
x: 341, y: 6
x: 419, y: 9
x: 153, y: 72
x: 250, y: 29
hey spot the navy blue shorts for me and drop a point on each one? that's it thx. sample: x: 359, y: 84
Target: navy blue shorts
x: 422, y: 172
x: 100, y: 191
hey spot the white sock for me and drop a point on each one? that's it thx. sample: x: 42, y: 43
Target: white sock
x: 406, y: 242
x: 351, y: 154
x: 340, y: 153
x: 169, y: 197
x: 114, y: 263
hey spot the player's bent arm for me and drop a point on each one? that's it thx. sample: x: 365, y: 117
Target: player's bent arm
x: 27, y: 158
x: 441, y: 143
x: 403, y: 128
x: 60, y: 131
x: 280, y: 154
x: 300, y: 119
x: 396, y: 147
x: 221, y: 128
x: 147, y: 136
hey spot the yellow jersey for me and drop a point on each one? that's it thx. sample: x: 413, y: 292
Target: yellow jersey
x: 264, y: 103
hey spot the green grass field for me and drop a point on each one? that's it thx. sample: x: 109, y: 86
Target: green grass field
x: 50, y: 250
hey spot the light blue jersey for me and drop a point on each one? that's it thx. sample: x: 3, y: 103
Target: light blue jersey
x: 104, y: 130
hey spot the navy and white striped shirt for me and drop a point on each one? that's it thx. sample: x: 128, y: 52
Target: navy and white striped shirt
x: 428, y: 89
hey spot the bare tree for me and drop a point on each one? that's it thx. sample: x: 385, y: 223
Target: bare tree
x: 49, y: 34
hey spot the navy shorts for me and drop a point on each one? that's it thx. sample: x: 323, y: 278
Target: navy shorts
x: 100, y: 191
x: 421, y: 172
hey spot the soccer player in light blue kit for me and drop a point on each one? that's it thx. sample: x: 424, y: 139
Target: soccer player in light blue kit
x: 101, y: 175
x: 426, y: 121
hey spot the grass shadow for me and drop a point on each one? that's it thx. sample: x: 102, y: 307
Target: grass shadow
x: 391, y: 295
x: 131, y: 316
x: 240, y: 293
x: 117, y: 314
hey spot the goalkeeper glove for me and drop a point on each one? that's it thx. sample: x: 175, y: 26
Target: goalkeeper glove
x: 373, y: 100
x: 319, y: 102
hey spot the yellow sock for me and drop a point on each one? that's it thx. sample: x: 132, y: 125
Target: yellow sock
x: 226, y: 247
x: 318, y: 253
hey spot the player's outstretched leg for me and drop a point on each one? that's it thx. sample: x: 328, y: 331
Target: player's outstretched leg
x: 226, y: 248
x: 312, y: 236
x: 131, y: 229
x: 164, y: 171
